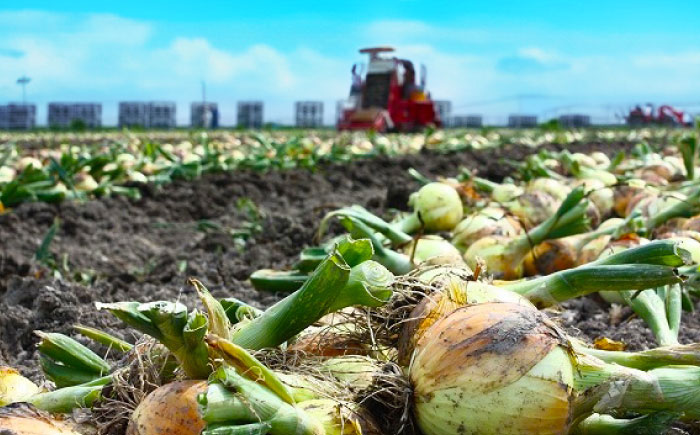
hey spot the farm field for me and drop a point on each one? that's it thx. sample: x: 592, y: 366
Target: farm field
x: 117, y: 216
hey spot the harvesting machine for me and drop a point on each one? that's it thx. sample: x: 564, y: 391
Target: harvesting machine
x: 387, y: 98
x: 665, y: 115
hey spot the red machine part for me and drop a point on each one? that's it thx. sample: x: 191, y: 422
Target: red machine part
x: 665, y: 115
x: 387, y: 98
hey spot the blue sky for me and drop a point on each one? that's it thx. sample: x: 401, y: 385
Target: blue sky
x: 492, y: 58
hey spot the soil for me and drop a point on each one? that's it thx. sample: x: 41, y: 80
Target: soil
x: 115, y: 249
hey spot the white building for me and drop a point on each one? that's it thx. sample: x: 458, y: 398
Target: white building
x: 575, y: 120
x: 64, y: 114
x: 444, y: 111
x: 18, y: 116
x: 204, y: 115
x: 250, y: 114
x: 154, y: 114
x: 309, y: 113
x: 467, y: 121
x: 522, y: 121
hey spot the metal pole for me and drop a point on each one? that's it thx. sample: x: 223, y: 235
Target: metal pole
x: 204, y: 105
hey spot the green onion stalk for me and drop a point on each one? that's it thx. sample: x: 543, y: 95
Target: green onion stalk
x: 67, y: 362
x: 504, y: 256
x: 558, y: 254
x: 171, y: 324
x: 345, y: 278
x: 686, y: 208
x: 661, y: 308
x: 649, y: 424
x: 688, y: 149
x: 244, y: 396
x: 522, y: 375
x: 531, y: 207
x: 643, y: 267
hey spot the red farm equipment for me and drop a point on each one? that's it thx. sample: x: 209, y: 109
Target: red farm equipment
x: 387, y: 98
x: 665, y: 115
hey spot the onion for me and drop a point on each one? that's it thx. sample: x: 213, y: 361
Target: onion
x: 85, y: 182
x: 533, y: 208
x: 7, y: 174
x: 25, y: 162
x: 437, y: 207
x: 492, y: 368
x: 500, y: 368
x: 560, y: 254
x: 601, y: 159
x: 454, y: 294
x: 603, y: 197
x: 555, y: 188
x: 505, y: 192
x: 692, y: 224
x: 624, y: 194
x: 170, y: 409
x: 14, y: 387
x: 432, y: 246
x: 24, y: 419
x: 490, y: 221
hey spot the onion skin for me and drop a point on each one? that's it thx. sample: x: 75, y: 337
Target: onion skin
x: 170, y: 409
x: 24, y: 419
x: 623, y: 195
x: 550, y: 256
x: 533, y: 208
x: 490, y: 222
x: 457, y: 293
x: 14, y: 387
x: 493, y: 368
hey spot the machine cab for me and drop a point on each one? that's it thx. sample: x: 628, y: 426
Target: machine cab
x: 388, y: 97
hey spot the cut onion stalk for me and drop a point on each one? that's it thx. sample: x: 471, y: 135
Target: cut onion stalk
x: 169, y: 323
x: 67, y: 362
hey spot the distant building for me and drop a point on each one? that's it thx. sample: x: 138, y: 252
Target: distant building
x: 204, y: 115
x: 575, y: 120
x: 444, y: 111
x: 309, y: 113
x: 250, y: 114
x: 133, y: 114
x: 467, y: 121
x: 64, y: 114
x: 522, y: 121
x: 161, y: 114
x: 18, y: 116
x: 153, y: 114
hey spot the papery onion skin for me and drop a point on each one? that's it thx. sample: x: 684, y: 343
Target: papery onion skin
x: 24, y: 419
x: 492, y: 368
x: 171, y: 409
x: 14, y: 387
